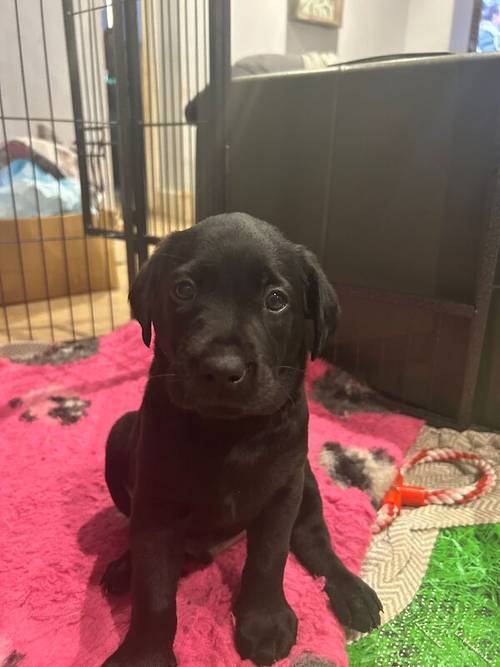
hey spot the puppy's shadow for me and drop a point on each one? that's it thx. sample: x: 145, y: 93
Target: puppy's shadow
x: 109, y: 523
x: 104, y: 535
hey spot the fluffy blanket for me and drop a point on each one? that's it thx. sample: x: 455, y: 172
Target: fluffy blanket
x: 59, y: 529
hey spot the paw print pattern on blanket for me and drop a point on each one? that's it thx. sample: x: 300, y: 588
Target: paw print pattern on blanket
x: 65, y: 409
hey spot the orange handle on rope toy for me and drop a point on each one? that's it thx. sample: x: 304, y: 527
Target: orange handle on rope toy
x: 404, y: 495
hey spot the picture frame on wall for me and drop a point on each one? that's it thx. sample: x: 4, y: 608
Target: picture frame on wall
x: 321, y: 12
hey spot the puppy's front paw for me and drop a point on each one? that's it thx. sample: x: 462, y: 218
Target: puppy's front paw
x: 354, y: 603
x: 266, y: 636
x: 129, y: 656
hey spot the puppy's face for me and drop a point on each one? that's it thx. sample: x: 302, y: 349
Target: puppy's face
x: 229, y: 300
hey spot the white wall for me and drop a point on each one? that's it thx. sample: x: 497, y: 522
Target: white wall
x: 302, y: 37
x: 438, y: 26
x: 369, y: 28
x: 460, y: 29
x: 429, y: 25
x: 258, y: 26
x: 34, y: 67
x: 372, y: 28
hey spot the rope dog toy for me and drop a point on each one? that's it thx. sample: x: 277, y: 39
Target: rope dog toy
x: 404, y: 495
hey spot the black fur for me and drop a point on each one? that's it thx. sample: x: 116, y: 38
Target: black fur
x: 219, y: 444
x: 341, y: 393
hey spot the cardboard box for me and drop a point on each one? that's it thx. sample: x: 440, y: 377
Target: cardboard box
x: 52, y: 257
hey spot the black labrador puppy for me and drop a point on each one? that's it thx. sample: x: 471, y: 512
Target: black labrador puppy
x: 219, y: 444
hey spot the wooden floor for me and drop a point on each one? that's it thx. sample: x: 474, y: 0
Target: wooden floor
x: 65, y: 318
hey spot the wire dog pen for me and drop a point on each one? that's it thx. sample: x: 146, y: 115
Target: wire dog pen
x: 97, y: 161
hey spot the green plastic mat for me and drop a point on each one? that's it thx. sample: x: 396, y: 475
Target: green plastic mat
x: 454, y: 619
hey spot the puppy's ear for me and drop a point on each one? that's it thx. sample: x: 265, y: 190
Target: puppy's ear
x: 322, y: 305
x: 141, y: 298
x: 145, y: 293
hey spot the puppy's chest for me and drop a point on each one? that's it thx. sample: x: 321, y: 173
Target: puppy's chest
x: 231, y: 489
x: 227, y: 478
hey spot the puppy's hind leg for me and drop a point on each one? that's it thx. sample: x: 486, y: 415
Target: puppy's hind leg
x: 119, y: 449
x: 354, y: 603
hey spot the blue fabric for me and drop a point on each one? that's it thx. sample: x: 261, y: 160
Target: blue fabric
x: 33, y: 189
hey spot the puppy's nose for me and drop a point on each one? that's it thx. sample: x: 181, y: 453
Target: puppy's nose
x: 226, y: 371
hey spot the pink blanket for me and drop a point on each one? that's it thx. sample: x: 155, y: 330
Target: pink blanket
x: 59, y: 529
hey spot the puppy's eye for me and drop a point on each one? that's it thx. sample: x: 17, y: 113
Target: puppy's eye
x: 276, y: 300
x: 184, y: 290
